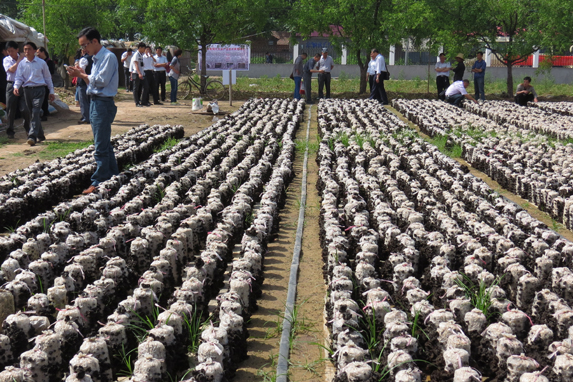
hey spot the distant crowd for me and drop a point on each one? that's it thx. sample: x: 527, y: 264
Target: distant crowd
x: 146, y: 74
x: 377, y: 73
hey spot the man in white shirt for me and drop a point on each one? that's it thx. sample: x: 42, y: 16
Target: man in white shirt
x: 457, y: 91
x: 141, y: 88
x: 126, y: 59
x: 371, y: 72
x: 378, y: 92
x: 325, y: 66
x: 13, y: 102
x: 32, y: 76
x: 149, y: 66
x: 160, y: 71
x: 442, y: 75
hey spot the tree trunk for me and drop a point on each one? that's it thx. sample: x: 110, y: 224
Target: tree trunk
x: 509, y: 79
x: 203, y: 63
x: 363, y: 68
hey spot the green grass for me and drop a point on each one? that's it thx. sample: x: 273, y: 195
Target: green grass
x: 55, y: 150
x: 166, y: 145
x: 4, y: 140
x: 479, y: 295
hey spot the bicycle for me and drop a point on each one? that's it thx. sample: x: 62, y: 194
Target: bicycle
x: 214, y: 89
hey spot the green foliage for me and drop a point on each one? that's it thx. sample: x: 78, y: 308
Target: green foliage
x: 479, y: 295
x: 169, y: 143
x: 61, y: 149
x: 65, y: 18
x: 195, y: 324
x: 127, y: 358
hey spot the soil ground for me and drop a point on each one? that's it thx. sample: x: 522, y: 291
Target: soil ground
x: 307, y: 361
x: 63, y: 127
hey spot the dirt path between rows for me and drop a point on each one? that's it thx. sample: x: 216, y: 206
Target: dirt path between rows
x: 531, y: 208
x: 63, y: 127
x: 265, y: 327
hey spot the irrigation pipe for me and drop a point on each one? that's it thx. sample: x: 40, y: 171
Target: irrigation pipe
x: 284, y: 350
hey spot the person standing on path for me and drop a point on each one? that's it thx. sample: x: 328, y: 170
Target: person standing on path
x: 32, y: 78
x: 102, y: 87
x: 44, y: 55
x: 460, y: 68
x: 126, y: 60
x: 297, y: 74
x: 174, y: 74
x: 378, y: 91
x: 10, y: 63
x: 160, y: 71
x: 478, y: 69
x: 141, y: 88
x: 371, y: 72
x: 325, y: 66
x: 86, y: 63
x: 442, y: 76
x: 149, y: 67
x: 307, y: 71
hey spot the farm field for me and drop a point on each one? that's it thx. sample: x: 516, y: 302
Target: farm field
x: 411, y: 268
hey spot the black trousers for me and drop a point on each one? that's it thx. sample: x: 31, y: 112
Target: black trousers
x: 371, y: 81
x: 378, y: 92
x: 522, y: 99
x: 150, y: 78
x: 128, y: 82
x: 160, y: 79
x: 34, y: 97
x: 45, y: 111
x: 140, y: 90
x: 443, y: 83
x: 323, y: 80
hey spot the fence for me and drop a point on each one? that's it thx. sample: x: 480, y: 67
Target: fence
x: 284, y: 57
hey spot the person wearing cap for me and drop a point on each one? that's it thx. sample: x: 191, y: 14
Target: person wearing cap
x: 457, y: 92
x: 325, y: 66
x: 460, y: 68
x: 478, y: 69
x: 442, y: 75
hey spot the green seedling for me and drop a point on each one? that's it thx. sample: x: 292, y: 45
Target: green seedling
x: 479, y: 295
x: 127, y: 359
x: 195, y: 325
x: 416, y: 329
x: 169, y: 143
x: 141, y: 325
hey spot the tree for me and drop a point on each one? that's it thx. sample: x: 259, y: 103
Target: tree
x: 358, y: 25
x: 511, y: 29
x: 192, y: 23
x: 65, y: 19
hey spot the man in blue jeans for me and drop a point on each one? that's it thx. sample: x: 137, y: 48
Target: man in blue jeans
x: 102, y: 87
x: 478, y: 69
x: 297, y: 74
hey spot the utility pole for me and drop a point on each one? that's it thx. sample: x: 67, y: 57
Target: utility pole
x: 44, y: 22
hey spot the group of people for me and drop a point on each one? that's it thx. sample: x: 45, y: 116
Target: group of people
x: 302, y: 74
x: 456, y: 92
x: 29, y: 83
x: 146, y: 74
x: 28, y: 87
